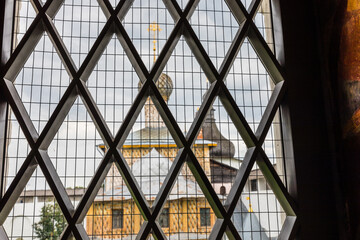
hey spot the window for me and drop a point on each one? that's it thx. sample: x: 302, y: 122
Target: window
x: 114, y: 103
x: 164, y: 218
x: 205, y: 217
x: 253, y: 185
x: 117, y: 218
x: 222, y: 190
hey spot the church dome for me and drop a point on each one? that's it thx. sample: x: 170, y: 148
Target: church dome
x: 210, y: 131
x: 164, y: 84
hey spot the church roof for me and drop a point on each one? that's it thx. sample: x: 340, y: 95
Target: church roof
x: 247, y: 223
x: 228, y: 161
x: 156, y: 137
x: 150, y: 172
x: 211, y: 132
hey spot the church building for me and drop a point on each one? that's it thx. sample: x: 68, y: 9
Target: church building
x: 149, y: 153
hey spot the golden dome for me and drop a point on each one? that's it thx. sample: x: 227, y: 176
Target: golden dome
x: 164, y: 84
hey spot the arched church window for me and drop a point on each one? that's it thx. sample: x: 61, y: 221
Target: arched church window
x: 222, y: 190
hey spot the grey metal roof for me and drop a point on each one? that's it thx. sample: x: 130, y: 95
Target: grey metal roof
x: 150, y: 172
x: 247, y: 224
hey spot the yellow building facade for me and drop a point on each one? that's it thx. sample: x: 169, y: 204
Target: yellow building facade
x: 184, y: 218
x: 184, y: 207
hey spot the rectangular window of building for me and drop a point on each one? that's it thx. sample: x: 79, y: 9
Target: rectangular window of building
x: 253, y: 185
x: 204, y: 217
x: 117, y: 218
x: 164, y: 218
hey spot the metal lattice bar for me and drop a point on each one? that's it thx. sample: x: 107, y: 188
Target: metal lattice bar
x: 253, y: 8
x: 276, y: 184
x: 96, y: 51
x: 233, y: 50
x: 236, y: 190
x: 265, y: 54
x: 238, y: 10
x: 23, y: 49
x: 4, y: 110
x: 17, y: 186
x: 56, y: 119
x: 289, y: 228
x: 270, y: 112
x: 237, y: 117
x: 20, y: 112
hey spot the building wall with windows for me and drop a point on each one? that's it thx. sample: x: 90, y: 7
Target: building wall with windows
x: 187, y: 215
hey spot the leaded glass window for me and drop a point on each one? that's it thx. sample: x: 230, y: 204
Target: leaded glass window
x: 132, y: 116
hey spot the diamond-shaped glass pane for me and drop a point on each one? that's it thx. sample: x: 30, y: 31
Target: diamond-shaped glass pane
x: 148, y: 24
x: 75, y: 151
x: 79, y: 23
x: 227, y: 150
x: 250, y: 85
x: 183, y: 85
x: 113, y: 213
x: 113, y: 84
x: 42, y: 82
x: 258, y: 214
x: 36, y: 213
x: 216, y: 27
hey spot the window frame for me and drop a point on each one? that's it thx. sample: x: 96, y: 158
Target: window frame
x: 207, y: 220
x: 166, y: 215
x: 6, y: 37
x: 254, y: 185
x: 121, y: 210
